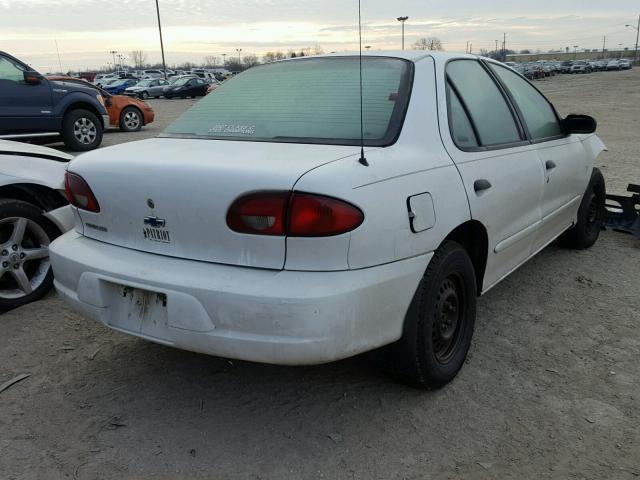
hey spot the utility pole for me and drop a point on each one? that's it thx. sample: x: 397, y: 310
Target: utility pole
x: 402, y: 20
x: 635, y: 55
x: 238, y: 50
x: 58, y: 51
x: 113, y: 52
x: 164, y: 66
x: 604, y: 43
x: 496, y: 50
x: 504, y: 47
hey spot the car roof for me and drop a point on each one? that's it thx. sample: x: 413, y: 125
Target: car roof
x: 411, y: 55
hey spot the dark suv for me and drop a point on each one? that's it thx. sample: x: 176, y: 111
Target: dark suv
x: 32, y: 106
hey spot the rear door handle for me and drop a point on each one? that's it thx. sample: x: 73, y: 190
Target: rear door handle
x: 550, y: 164
x: 482, y: 184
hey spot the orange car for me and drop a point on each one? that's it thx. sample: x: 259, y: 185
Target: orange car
x: 127, y: 113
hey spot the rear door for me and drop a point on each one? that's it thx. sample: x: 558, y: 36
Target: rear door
x: 559, y: 155
x: 23, y: 107
x: 499, y: 167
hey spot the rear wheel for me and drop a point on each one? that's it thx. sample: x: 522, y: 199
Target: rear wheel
x: 131, y: 119
x: 439, y: 323
x: 25, y: 271
x: 590, y: 215
x: 81, y: 130
x: 144, y: 95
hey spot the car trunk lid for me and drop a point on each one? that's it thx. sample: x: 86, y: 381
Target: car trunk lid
x: 171, y: 196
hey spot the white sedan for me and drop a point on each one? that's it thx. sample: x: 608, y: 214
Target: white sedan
x: 33, y: 211
x: 254, y: 227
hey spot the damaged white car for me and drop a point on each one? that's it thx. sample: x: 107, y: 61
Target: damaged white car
x: 254, y: 227
x: 33, y: 211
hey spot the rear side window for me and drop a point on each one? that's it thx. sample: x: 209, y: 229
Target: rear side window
x: 461, y: 128
x: 484, y: 103
x: 537, y: 112
x: 315, y: 100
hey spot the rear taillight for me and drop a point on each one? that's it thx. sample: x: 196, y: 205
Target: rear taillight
x: 79, y: 194
x: 292, y: 214
x: 318, y: 216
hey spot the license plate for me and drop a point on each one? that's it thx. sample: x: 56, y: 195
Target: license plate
x: 137, y: 310
x: 157, y: 234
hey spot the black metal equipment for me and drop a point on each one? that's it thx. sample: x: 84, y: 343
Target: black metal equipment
x: 623, y: 213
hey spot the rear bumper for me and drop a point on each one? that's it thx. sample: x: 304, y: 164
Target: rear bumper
x: 281, y: 317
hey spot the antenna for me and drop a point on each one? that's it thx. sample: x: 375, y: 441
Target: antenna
x: 362, y: 158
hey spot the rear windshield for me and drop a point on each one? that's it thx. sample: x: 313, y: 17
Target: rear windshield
x: 315, y: 100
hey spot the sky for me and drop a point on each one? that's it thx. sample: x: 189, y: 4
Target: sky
x: 85, y: 31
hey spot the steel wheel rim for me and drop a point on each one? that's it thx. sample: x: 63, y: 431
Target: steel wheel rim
x: 448, y: 318
x: 24, y: 257
x: 594, y: 213
x: 85, y: 131
x: 131, y: 120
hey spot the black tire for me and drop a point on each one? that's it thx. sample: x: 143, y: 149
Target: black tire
x: 131, y: 119
x: 18, y: 209
x: 439, y: 324
x: 590, y: 215
x: 72, y: 133
x: 144, y: 95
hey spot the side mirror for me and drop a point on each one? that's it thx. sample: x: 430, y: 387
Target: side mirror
x: 32, y: 78
x: 579, y: 124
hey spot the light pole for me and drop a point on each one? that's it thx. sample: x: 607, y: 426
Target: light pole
x: 402, y: 20
x: 164, y: 66
x: 113, y: 52
x: 239, y: 50
x: 224, y: 59
x: 575, y: 51
x: 635, y: 55
x: 496, y: 50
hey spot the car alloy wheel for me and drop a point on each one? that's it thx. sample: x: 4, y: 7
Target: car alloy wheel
x: 85, y: 131
x: 131, y: 120
x: 24, y: 257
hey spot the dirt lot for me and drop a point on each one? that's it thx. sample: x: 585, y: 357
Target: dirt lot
x: 551, y: 388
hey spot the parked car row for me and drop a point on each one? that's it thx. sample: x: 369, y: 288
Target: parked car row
x: 183, y: 86
x: 219, y: 74
x: 542, y: 69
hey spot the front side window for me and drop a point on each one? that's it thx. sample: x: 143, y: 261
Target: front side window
x: 485, y: 104
x: 538, y: 113
x: 315, y: 100
x: 10, y: 70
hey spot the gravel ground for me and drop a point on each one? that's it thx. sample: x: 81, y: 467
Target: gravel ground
x: 550, y: 390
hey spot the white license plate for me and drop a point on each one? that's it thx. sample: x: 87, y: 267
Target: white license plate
x: 157, y: 234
